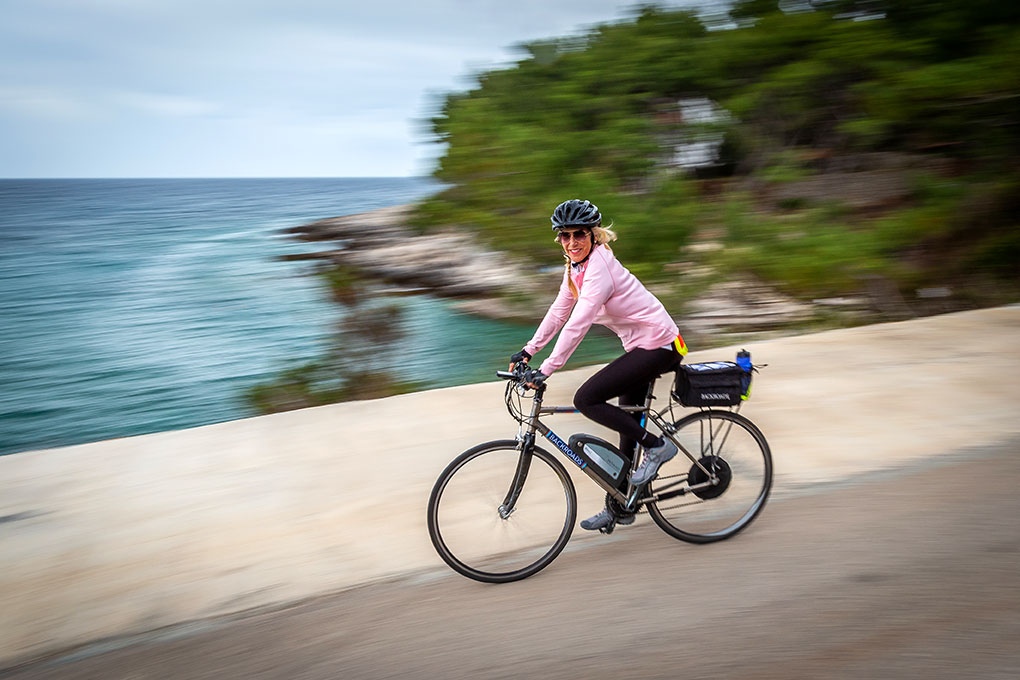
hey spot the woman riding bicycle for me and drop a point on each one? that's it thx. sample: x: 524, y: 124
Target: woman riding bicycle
x: 596, y: 288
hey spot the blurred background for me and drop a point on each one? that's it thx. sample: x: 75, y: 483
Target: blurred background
x: 770, y: 167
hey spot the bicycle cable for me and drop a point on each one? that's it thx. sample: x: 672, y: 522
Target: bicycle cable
x: 514, y: 407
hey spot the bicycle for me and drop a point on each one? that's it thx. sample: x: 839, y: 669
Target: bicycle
x: 505, y: 509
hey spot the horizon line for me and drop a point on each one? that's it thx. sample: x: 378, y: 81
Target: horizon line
x: 229, y: 177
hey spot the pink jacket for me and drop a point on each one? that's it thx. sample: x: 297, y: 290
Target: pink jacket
x: 611, y: 296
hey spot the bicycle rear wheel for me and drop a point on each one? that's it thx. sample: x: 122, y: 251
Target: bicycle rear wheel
x: 475, y: 532
x: 734, y: 449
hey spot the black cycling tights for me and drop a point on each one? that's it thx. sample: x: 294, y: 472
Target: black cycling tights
x: 628, y: 378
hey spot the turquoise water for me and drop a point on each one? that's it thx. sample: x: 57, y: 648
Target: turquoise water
x: 136, y: 306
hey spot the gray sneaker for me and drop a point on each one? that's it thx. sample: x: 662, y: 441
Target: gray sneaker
x: 650, y: 464
x: 605, y: 519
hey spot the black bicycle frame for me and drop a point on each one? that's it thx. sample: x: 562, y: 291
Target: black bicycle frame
x: 626, y: 494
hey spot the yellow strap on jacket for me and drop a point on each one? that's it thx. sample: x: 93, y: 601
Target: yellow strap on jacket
x: 681, y: 346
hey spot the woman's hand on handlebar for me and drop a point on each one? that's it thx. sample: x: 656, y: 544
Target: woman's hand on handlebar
x: 533, y: 378
x: 518, y: 358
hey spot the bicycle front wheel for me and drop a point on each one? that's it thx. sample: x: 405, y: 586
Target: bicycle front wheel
x: 691, y: 506
x: 483, y: 536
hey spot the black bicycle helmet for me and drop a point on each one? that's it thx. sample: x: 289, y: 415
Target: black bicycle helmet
x: 576, y: 213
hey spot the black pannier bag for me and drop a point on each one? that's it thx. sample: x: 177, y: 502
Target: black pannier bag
x: 715, y: 383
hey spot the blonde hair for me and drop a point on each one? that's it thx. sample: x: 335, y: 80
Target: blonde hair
x: 603, y: 237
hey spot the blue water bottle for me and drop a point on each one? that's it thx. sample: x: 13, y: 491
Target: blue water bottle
x: 744, y: 361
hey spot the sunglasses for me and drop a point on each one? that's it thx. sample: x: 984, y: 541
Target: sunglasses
x: 578, y: 235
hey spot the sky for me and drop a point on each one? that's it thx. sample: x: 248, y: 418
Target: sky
x: 260, y: 88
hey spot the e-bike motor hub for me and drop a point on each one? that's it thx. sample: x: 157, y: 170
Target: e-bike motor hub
x: 717, y: 466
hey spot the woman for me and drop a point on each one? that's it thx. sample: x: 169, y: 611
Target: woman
x: 596, y: 288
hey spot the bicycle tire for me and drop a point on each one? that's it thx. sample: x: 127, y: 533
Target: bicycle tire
x: 714, y: 513
x: 467, y: 529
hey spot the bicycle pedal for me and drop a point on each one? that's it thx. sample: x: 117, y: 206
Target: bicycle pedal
x: 608, y: 529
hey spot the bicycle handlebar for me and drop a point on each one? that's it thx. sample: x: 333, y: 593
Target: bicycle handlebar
x: 522, y: 372
x: 520, y: 368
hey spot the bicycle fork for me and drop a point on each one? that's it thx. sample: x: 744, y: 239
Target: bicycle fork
x: 527, y: 440
x: 509, y: 503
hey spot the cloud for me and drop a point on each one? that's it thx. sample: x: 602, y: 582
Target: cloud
x: 44, y: 102
x: 168, y: 104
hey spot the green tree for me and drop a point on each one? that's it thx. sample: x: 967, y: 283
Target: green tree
x: 598, y: 116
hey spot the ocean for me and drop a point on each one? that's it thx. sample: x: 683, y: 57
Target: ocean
x: 130, y: 306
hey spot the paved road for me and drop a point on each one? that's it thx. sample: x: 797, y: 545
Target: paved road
x: 911, y: 574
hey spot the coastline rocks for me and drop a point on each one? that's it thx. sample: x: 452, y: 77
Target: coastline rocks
x: 382, y: 245
x: 449, y: 264
x: 742, y: 306
x: 362, y: 230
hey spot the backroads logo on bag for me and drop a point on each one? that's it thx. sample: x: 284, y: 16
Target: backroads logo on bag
x: 718, y: 396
